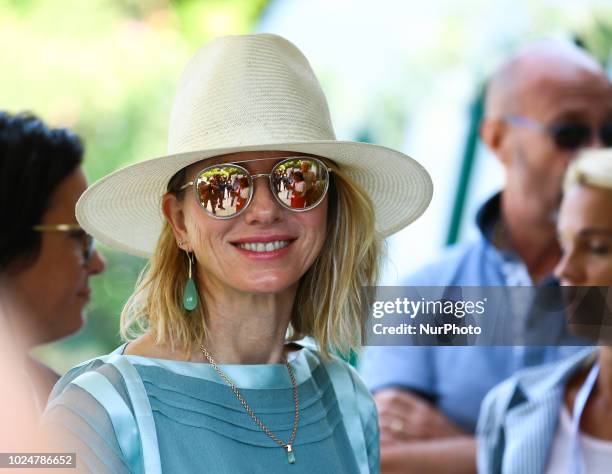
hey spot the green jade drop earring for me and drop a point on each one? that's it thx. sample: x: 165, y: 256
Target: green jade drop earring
x: 190, y: 295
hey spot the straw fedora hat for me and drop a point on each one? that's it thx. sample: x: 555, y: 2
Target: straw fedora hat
x: 247, y: 93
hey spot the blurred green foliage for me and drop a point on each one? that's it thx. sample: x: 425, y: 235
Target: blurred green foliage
x: 107, y: 69
x: 596, y: 37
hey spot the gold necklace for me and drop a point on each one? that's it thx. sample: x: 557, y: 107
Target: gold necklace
x: 289, y: 445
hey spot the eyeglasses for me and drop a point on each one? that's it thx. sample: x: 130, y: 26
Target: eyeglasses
x: 298, y: 183
x: 567, y: 136
x: 74, y: 231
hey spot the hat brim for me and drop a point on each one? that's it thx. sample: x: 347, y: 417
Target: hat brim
x: 123, y: 209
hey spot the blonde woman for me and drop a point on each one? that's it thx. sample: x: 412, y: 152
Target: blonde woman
x: 558, y: 419
x: 215, y: 376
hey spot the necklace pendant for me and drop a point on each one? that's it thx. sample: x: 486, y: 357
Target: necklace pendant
x: 290, y: 454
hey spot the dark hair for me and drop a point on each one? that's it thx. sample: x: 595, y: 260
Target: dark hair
x: 34, y: 160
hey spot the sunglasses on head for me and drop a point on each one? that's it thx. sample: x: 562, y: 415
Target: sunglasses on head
x: 569, y: 135
x: 75, y: 232
x: 298, y: 183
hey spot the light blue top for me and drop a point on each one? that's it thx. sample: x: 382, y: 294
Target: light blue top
x: 456, y: 379
x: 519, y: 417
x: 126, y: 413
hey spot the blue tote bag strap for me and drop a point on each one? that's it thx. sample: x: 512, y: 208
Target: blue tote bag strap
x: 142, y: 410
x: 349, y: 407
x: 136, y: 433
x: 124, y: 423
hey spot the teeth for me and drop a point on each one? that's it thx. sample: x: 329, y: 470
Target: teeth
x: 264, y: 247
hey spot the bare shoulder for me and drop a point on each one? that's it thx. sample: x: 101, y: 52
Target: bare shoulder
x: 146, y: 346
x: 139, y: 346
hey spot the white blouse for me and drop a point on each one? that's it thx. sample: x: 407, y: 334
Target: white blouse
x: 597, y: 453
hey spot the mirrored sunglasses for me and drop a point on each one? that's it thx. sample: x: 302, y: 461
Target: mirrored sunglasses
x: 298, y: 183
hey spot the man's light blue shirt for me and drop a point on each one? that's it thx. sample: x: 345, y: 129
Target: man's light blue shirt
x: 456, y: 379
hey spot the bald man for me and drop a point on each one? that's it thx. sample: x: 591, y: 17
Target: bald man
x: 542, y: 106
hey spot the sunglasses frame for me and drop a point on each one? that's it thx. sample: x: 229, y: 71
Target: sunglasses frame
x: 251, y: 177
x: 72, y: 230
x: 553, y: 129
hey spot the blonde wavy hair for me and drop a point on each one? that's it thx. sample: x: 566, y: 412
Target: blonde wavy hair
x: 590, y: 168
x: 332, y: 299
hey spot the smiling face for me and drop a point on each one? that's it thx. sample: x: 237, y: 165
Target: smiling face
x: 585, y: 233
x: 265, y: 249
x: 54, y: 290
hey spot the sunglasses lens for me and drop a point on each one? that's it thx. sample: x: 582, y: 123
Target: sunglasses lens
x: 224, y: 190
x: 300, y: 183
x: 571, y: 136
x: 88, y: 248
x: 605, y: 134
x: 86, y: 242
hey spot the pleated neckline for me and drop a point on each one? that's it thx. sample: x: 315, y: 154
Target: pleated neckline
x: 256, y: 376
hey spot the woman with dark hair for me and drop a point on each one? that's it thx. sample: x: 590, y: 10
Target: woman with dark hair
x: 45, y: 257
